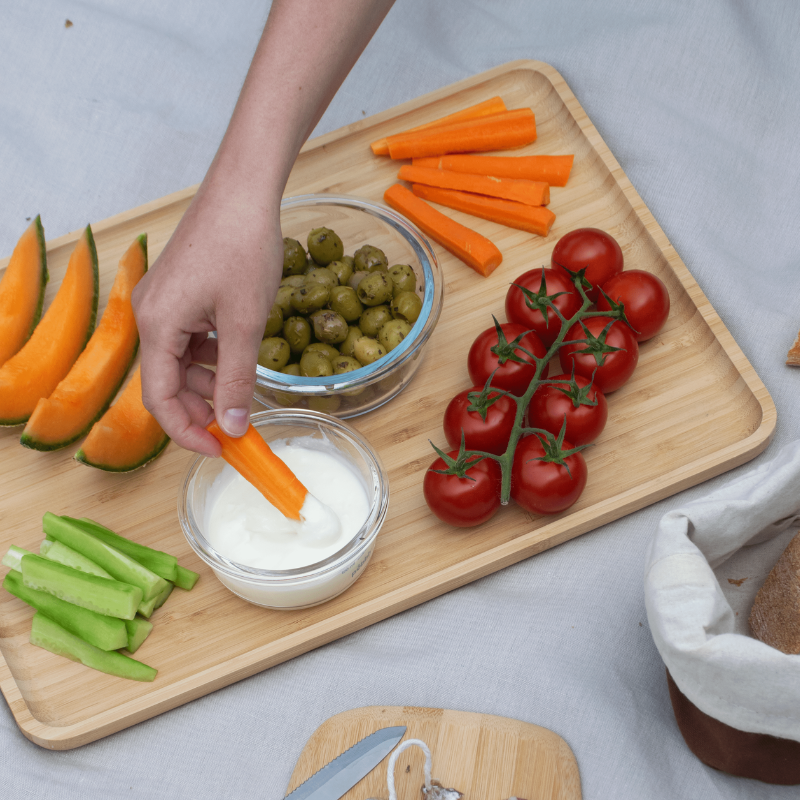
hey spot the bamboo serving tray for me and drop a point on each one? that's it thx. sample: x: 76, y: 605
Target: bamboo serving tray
x: 694, y: 409
x: 483, y: 756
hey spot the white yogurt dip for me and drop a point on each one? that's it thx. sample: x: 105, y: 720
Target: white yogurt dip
x: 242, y: 525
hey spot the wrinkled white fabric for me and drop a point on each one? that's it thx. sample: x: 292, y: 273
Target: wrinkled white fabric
x: 725, y: 672
x: 700, y: 104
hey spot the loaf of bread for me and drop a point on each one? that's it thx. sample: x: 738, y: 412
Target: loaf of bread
x: 775, y: 616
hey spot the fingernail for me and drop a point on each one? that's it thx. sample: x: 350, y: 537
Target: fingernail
x: 235, y: 420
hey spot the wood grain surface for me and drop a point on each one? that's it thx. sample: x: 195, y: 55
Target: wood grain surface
x: 694, y: 409
x: 483, y: 756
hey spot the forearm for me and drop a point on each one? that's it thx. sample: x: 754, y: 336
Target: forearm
x: 305, y: 52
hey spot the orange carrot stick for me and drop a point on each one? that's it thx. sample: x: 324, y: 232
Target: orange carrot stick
x: 498, y: 132
x: 493, y: 105
x: 531, y: 193
x: 474, y: 250
x: 252, y: 458
x: 554, y: 170
x: 534, y: 219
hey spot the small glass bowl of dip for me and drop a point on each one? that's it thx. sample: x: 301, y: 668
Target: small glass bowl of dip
x: 314, y: 583
x: 359, y: 222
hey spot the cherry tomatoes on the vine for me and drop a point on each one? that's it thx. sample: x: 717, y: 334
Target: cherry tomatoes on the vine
x: 608, y: 369
x: 546, y: 487
x: 553, y: 401
x: 645, y: 298
x: 488, y: 353
x: 524, y: 302
x: 467, y: 501
x: 491, y: 434
x: 592, y: 248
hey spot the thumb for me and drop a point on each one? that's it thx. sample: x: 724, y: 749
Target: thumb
x: 237, y: 354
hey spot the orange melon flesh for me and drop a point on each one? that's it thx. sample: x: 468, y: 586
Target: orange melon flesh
x: 46, y: 358
x: 22, y: 290
x: 98, y: 373
x: 127, y: 436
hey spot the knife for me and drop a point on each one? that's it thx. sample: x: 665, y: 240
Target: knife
x: 339, y: 776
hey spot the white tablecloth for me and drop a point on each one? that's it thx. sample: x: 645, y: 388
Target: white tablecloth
x: 700, y: 103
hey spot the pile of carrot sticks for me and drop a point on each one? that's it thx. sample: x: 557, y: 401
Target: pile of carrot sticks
x: 510, y: 190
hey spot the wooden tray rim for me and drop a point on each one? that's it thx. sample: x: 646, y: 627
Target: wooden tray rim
x: 315, y: 635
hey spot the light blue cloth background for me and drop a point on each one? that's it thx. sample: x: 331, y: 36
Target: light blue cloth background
x: 700, y: 103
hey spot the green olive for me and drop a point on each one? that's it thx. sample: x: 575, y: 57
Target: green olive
x: 373, y: 319
x: 293, y: 280
x: 309, y: 297
x: 324, y: 246
x: 367, y: 350
x: 327, y: 404
x: 283, y: 299
x: 274, y: 322
x: 297, y: 333
x: 342, y: 364
x: 375, y: 289
x: 315, y: 365
x: 322, y: 275
x: 287, y: 398
x: 393, y: 333
x: 328, y: 349
x: 329, y: 327
x: 273, y: 353
x: 349, y: 260
x: 404, y: 278
x: 344, y: 300
x: 356, y: 278
x: 311, y: 264
x: 353, y: 333
x: 341, y: 269
x: 294, y: 257
x: 370, y: 258
x: 407, y: 306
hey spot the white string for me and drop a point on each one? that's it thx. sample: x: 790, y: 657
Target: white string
x: 393, y: 761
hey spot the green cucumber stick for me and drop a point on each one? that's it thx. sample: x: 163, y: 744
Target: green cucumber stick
x: 162, y: 564
x: 185, y: 578
x: 146, y: 608
x: 56, y: 551
x: 107, y: 633
x: 121, y: 567
x: 138, y: 630
x: 103, y: 595
x: 51, y: 636
x: 13, y: 557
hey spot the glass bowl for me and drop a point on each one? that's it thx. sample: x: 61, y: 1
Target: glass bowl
x: 359, y: 222
x: 314, y: 583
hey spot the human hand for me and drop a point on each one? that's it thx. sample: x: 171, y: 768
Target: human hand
x: 219, y: 271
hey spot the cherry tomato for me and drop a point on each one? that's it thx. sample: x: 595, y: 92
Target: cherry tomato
x: 544, y: 487
x: 592, y: 248
x: 491, y: 434
x: 461, y: 501
x: 646, y: 301
x: 616, y: 367
x: 518, y: 307
x: 552, y: 402
x: 513, y: 376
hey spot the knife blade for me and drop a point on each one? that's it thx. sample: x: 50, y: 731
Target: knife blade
x: 337, y: 777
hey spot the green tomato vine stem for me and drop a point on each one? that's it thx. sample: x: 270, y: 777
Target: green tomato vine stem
x: 506, y: 460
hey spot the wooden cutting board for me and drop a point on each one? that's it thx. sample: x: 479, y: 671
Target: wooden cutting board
x: 694, y: 409
x: 483, y: 756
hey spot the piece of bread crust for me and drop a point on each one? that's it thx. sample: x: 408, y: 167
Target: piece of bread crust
x: 775, y: 616
x: 793, y: 356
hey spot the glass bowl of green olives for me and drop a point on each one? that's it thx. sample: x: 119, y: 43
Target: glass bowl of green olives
x: 360, y: 295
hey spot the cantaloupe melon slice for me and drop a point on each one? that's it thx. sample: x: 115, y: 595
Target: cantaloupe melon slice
x: 22, y: 290
x: 82, y: 397
x: 57, y: 340
x: 127, y: 436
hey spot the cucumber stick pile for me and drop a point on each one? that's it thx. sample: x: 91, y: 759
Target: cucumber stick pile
x: 93, y: 591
